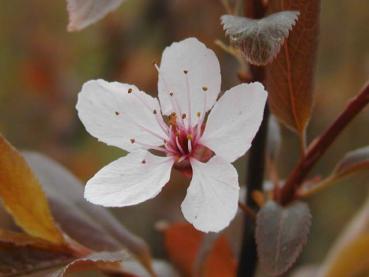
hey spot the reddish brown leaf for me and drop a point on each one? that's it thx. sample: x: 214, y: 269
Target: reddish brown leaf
x: 106, y: 261
x: 281, y: 233
x: 289, y: 78
x: 82, y: 13
x: 20, y: 260
x: 183, y: 242
x: 353, y: 161
x: 78, y: 217
x: 23, y: 197
x: 22, y: 240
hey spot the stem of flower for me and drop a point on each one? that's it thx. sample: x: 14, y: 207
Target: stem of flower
x: 247, y: 211
x: 318, y: 147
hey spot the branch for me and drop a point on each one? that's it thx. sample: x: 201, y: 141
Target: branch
x: 321, y: 144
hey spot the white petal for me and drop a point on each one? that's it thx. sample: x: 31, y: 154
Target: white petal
x: 85, y: 12
x: 212, y: 197
x: 129, y: 180
x: 234, y: 120
x: 203, y: 73
x: 115, y: 116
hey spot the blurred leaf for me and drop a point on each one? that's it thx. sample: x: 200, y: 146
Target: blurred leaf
x: 183, y: 243
x: 352, y: 169
x: 106, y: 261
x: 281, y: 233
x: 20, y: 260
x: 83, y: 13
x: 21, y: 239
x: 352, y: 260
x: 78, y: 217
x: 353, y: 161
x: 260, y: 39
x: 23, y: 197
x: 356, y: 230
x: 289, y: 78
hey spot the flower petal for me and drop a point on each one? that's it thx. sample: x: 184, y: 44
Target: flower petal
x: 234, y: 121
x: 212, y: 197
x: 129, y: 180
x: 119, y: 115
x: 189, y: 68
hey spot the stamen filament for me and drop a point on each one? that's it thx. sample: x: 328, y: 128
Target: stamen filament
x: 189, y: 145
x: 179, y: 146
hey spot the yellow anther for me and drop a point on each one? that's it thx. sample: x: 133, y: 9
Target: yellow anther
x: 172, y: 119
x: 198, y: 114
x: 189, y: 137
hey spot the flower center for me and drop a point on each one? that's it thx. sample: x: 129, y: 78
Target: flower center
x: 183, y: 140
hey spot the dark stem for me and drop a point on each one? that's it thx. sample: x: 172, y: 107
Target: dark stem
x: 321, y: 144
x: 256, y: 164
x: 255, y: 177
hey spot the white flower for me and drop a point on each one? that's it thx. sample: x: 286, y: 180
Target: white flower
x: 177, y: 132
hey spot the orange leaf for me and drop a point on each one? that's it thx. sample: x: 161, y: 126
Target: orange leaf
x: 23, y: 240
x: 183, y: 243
x: 289, y: 78
x: 23, y: 197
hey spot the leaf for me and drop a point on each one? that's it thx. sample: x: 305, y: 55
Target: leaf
x: 23, y: 240
x: 109, y: 261
x: 289, y: 78
x: 352, y: 260
x: 83, y: 13
x: 353, y: 161
x: 260, y: 39
x: 352, y: 169
x: 220, y: 260
x: 21, y: 260
x: 78, y: 217
x: 23, y: 197
x: 281, y: 233
x: 358, y: 228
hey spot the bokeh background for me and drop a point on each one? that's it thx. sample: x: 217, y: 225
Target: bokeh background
x: 42, y: 68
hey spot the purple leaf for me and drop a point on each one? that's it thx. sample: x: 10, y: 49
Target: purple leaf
x: 281, y: 233
x: 83, y: 13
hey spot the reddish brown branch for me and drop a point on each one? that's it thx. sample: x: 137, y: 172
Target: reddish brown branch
x: 321, y: 144
x: 247, y: 211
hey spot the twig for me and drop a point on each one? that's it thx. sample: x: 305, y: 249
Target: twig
x: 247, y: 211
x: 321, y: 144
x: 256, y: 164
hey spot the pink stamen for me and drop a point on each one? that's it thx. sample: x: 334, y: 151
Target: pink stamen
x: 179, y: 146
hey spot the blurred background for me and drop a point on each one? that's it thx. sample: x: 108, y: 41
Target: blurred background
x: 42, y: 68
